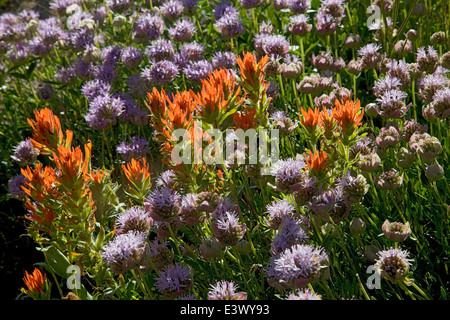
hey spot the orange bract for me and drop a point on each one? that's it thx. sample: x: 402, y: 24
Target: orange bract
x: 250, y: 70
x: 317, y: 161
x: 137, y: 171
x: 245, y: 119
x: 41, y: 182
x: 310, y: 118
x: 47, y: 132
x: 70, y: 161
x: 217, y: 91
x: 35, y: 281
x: 157, y: 102
x: 348, y: 114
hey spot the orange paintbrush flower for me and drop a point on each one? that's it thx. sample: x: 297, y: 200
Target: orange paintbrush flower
x: 316, y: 162
x: 245, y: 119
x: 47, y: 132
x: 71, y: 162
x: 218, y: 94
x: 137, y: 172
x: 327, y: 121
x: 41, y: 182
x: 35, y: 282
x: 157, y: 103
x: 251, y: 71
x: 41, y: 217
x: 348, y: 114
x: 310, y: 119
x: 180, y: 110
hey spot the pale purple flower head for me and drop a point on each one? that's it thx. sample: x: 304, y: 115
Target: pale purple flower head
x: 229, y: 25
x: 163, y: 204
x: 95, y: 88
x: 24, y: 153
x: 226, y: 290
x: 111, y: 55
x: 166, y: 179
x: 161, y: 49
x: 392, y: 105
x: 299, y: 25
x: 103, y: 111
x: 393, y: 264
x: 399, y: 69
x: 134, y: 219
x: 160, y: 73
x: 15, y: 186
x: 137, y: 148
x: 189, y: 210
x: 131, y: 57
x: 441, y: 103
x: 299, y: 6
x: 183, y: 30
x: 19, y: 53
x: 38, y: 47
x: 389, y: 180
x: 304, y: 294
x: 289, y: 234
x: 223, y: 8
x: 248, y: 4
x: 282, y: 122
x: 227, y: 229
x: 137, y: 85
x: 148, y: 27
x: 276, y: 45
x: 427, y: 58
x: 298, y: 266
x: 369, y: 55
x: 197, y: 70
x: 430, y: 84
x: 350, y: 188
x: 388, y: 137
x: 174, y: 280
x: 225, y: 59
x: 192, y: 51
x: 386, y: 83
x: 118, y: 6
x: 172, y: 9
x: 288, y: 173
x: 322, y: 203
x: 125, y: 251
x: 326, y: 23
x: 410, y: 127
x: 278, y: 210
x: 133, y: 113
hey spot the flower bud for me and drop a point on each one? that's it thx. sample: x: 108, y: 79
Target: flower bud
x: 437, y: 37
x: 210, y: 249
x: 434, y: 172
x: 243, y: 247
x: 371, y: 110
x: 370, y: 254
x: 396, y: 231
x: 411, y: 34
x: 405, y: 158
x: 357, y: 226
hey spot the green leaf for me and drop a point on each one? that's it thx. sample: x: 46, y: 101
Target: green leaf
x: 57, y: 261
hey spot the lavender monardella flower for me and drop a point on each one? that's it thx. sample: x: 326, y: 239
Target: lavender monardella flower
x: 131, y: 57
x: 288, y: 173
x: 441, y: 103
x: 148, y: 27
x: 226, y: 290
x: 299, y: 6
x: 282, y: 122
x: 95, y: 88
x: 385, y: 84
x: 125, y: 251
x: 322, y: 203
x: 159, y: 255
x: 392, y: 105
x: 160, y: 73
x: 192, y: 51
x: 276, y: 45
x: 172, y: 9
x: 369, y: 55
x: 229, y: 25
x: 103, y: 111
x: 393, y: 264
x: 225, y: 59
x: 166, y: 179
x: 134, y: 219
x: 410, y: 127
x: 427, y: 58
x: 298, y: 266
x: 298, y: 25
x: 15, y: 186
x: 137, y: 85
x: 25, y: 153
x: 227, y: 230
x: 133, y: 113
x: 278, y: 210
x: 248, y: 4
x: 389, y: 180
x: 183, y: 30
x: 174, y: 280
x: 290, y: 233
x: 430, y: 84
x: 197, y: 70
x: 326, y: 23
x: 352, y: 188
x: 160, y: 49
x: 118, y: 6
x: 388, y: 137
x: 304, y: 294
x: 136, y: 149
x: 163, y: 204
x: 399, y: 69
